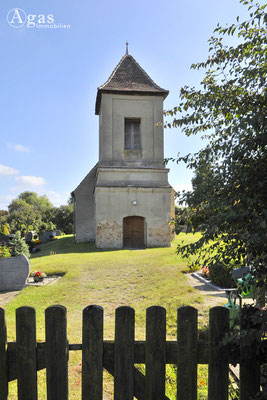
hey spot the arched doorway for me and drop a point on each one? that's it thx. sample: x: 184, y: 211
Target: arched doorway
x: 134, y: 232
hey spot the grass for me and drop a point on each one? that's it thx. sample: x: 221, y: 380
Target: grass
x: 138, y: 278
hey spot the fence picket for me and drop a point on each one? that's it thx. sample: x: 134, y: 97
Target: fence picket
x: 218, y: 355
x: 249, y: 364
x: 92, y: 353
x: 187, y: 335
x: 155, y: 353
x: 26, y: 353
x: 124, y: 354
x: 3, y: 357
x: 56, y: 353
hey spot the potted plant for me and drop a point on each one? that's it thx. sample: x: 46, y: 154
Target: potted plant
x: 206, y: 272
x: 38, y: 276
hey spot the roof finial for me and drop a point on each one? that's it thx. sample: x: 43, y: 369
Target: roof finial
x: 127, y: 50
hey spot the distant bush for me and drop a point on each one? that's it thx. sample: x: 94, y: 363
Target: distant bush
x: 221, y: 274
x: 69, y: 228
x: 19, y: 246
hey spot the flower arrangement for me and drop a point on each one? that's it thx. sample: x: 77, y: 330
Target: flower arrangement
x: 206, y: 272
x: 38, y: 276
x: 4, y: 251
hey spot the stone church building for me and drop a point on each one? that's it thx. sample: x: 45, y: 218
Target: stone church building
x: 126, y: 200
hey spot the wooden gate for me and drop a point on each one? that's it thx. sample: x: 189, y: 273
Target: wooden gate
x: 134, y: 232
x: 22, y: 359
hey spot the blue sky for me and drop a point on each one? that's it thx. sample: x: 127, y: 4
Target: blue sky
x: 49, y: 78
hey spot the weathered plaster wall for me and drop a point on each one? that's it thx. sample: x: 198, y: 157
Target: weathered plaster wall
x: 114, y: 109
x: 114, y: 203
x: 172, y: 230
x: 126, y: 176
x: 84, y: 206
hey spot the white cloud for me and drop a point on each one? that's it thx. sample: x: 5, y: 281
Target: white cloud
x: 7, y: 170
x: 30, y: 181
x: 19, y: 147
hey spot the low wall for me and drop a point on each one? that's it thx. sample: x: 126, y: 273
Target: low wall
x: 14, y: 272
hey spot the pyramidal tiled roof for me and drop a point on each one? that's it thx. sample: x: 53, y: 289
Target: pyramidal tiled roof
x: 129, y: 77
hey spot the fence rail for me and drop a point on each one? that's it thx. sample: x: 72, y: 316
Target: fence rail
x: 22, y: 359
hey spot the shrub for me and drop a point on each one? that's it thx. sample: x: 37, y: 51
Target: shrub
x: 4, y: 251
x: 19, y: 246
x: 221, y: 274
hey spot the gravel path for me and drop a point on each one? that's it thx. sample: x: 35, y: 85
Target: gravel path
x: 6, y: 297
x: 214, y: 298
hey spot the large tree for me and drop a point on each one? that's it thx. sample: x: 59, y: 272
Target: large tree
x: 229, y: 110
x: 29, y: 212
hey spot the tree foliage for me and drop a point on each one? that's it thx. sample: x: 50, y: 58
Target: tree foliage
x: 229, y: 111
x: 63, y: 218
x: 28, y: 212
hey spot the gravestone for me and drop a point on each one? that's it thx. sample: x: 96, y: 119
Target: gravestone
x: 46, y: 236
x: 31, y: 236
x: 14, y: 272
x: 5, y: 239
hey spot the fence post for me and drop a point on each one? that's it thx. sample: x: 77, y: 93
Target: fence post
x: 3, y: 357
x: 56, y: 353
x: 249, y: 363
x: 218, y: 356
x: 155, y: 353
x: 187, y: 336
x: 26, y: 353
x: 92, y: 353
x: 124, y: 354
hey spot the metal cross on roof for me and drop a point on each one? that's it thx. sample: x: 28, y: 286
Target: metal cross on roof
x: 127, y: 50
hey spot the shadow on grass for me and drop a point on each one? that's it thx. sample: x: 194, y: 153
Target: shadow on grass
x: 66, y: 245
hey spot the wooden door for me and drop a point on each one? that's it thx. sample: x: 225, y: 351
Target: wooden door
x: 134, y: 232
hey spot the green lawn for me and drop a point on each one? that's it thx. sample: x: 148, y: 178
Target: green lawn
x: 138, y: 278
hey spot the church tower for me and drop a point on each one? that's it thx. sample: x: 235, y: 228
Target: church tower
x: 126, y: 200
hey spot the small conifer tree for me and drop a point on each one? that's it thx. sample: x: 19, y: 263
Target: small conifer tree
x: 19, y: 246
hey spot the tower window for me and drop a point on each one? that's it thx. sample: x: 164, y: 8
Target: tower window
x: 132, y: 133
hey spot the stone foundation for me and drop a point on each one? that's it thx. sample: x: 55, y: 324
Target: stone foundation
x: 159, y: 236
x: 109, y: 235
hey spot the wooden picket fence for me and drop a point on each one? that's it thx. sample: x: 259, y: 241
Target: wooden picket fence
x: 22, y: 359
